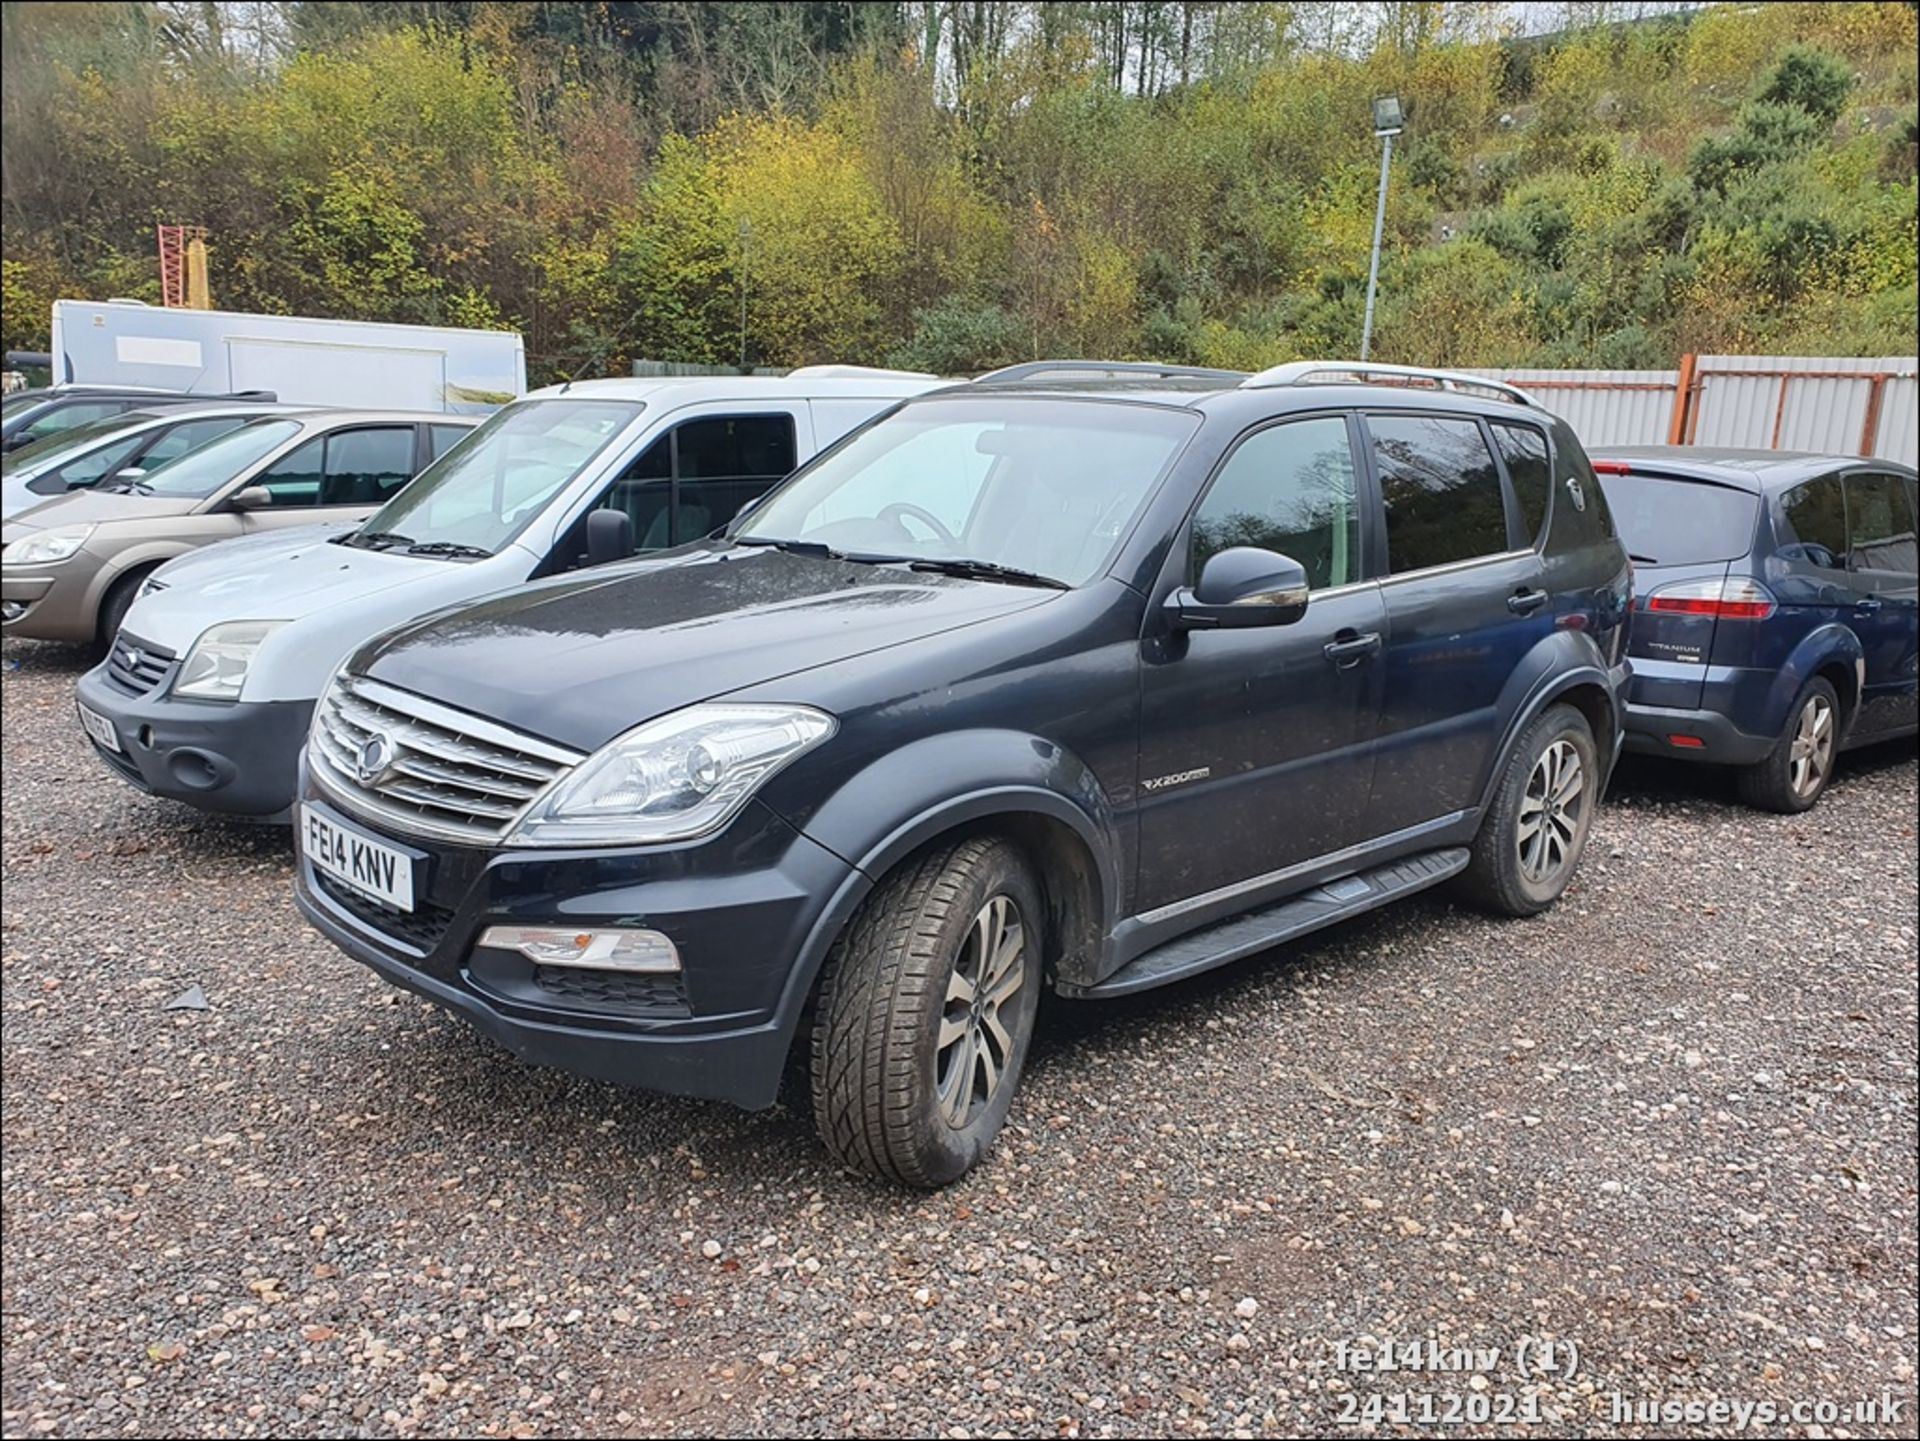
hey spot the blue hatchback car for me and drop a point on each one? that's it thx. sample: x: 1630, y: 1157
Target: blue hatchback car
x: 1776, y: 618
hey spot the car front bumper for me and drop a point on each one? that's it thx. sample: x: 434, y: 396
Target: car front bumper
x: 750, y: 911
x: 51, y: 602
x: 236, y: 758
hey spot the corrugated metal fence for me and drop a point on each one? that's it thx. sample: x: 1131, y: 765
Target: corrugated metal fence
x: 1837, y: 406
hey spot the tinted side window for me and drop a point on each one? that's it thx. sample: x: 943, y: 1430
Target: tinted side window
x: 1441, y: 490
x: 1881, y: 525
x: 725, y: 462
x: 645, y: 492
x: 1813, y: 529
x: 1530, y: 470
x: 443, y: 438
x: 1289, y: 488
x: 189, y: 436
x: 364, y: 467
x: 294, y: 479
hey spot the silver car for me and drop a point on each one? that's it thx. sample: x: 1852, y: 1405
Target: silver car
x: 71, y: 567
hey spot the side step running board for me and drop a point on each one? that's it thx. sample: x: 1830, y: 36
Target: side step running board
x: 1243, y: 935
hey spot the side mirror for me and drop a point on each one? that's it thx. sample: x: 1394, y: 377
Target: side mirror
x: 131, y: 472
x: 609, y: 535
x: 252, y: 497
x: 1239, y: 588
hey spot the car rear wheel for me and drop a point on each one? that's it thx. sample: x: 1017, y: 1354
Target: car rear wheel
x: 1795, y: 774
x: 1533, y: 833
x: 925, y: 1013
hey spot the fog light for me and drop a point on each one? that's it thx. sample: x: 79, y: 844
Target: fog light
x: 12, y: 610
x: 600, y: 950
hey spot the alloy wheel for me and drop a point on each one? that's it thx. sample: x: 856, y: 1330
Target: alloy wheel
x: 1810, y: 755
x: 975, y: 1047
x: 1551, y: 813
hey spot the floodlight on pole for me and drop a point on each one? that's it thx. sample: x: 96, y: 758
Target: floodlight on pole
x: 1389, y: 119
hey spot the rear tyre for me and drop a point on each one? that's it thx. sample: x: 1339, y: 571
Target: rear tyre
x: 1795, y: 774
x: 1533, y: 833
x: 113, y: 609
x: 925, y: 1013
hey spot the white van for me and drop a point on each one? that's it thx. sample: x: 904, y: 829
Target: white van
x: 301, y: 360
x: 207, y: 692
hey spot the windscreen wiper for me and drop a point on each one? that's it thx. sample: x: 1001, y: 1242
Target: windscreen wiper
x: 1641, y: 559
x: 792, y: 547
x: 449, y: 547
x: 988, y: 570
x: 372, y: 539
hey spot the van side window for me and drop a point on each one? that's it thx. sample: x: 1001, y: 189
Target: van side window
x: 1288, y: 488
x: 1441, y: 490
x: 1814, y: 524
x: 1530, y: 471
x: 696, y: 477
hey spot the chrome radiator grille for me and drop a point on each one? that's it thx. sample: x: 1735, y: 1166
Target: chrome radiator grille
x: 425, y: 767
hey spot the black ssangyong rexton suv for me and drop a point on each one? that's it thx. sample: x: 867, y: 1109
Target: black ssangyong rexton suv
x: 1087, y: 686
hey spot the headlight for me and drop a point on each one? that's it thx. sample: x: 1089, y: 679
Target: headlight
x: 48, y: 547
x: 674, y: 778
x: 216, y: 667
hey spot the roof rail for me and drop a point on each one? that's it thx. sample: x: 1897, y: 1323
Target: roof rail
x: 1035, y: 369
x: 1306, y: 372
x: 857, y: 372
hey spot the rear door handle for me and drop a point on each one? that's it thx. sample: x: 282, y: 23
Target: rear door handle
x: 1350, y: 652
x: 1869, y: 605
x: 1526, y: 602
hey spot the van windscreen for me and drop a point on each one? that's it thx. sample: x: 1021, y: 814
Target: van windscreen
x: 478, y: 495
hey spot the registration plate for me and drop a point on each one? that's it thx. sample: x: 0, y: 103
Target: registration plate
x: 99, y: 727
x: 357, y: 860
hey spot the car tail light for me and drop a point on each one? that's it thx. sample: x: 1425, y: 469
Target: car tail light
x: 1611, y: 467
x: 1730, y: 599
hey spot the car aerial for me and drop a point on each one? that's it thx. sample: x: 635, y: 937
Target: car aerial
x: 1091, y: 685
x: 27, y: 416
x: 1776, y: 621
x: 572, y: 476
x: 124, y: 446
x: 71, y: 566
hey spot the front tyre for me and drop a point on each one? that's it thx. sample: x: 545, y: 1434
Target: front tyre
x: 1535, y: 829
x: 925, y: 1013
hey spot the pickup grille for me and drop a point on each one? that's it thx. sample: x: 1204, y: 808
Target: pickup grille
x: 137, y: 666
x: 441, y: 772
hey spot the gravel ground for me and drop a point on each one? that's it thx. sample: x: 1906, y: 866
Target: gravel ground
x: 1672, y: 1122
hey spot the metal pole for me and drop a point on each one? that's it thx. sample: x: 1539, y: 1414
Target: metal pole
x: 1379, y: 222
x: 746, y: 234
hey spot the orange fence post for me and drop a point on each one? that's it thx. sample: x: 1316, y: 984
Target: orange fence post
x: 1682, y: 401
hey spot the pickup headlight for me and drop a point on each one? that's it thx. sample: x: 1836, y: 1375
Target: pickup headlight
x: 217, y: 666
x: 48, y: 547
x: 674, y: 778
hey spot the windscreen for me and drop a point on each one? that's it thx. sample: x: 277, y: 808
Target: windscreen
x: 486, y: 488
x: 1042, y: 485
x: 201, y: 472
x: 1681, y: 522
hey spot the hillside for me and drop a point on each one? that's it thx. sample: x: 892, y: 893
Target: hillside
x: 955, y: 185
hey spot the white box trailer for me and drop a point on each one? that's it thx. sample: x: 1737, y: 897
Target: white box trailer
x: 303, y: 361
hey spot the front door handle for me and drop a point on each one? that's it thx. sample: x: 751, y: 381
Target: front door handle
x: 1526, y: 602
x: 1349, y: 652
x: 1868, y: 605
